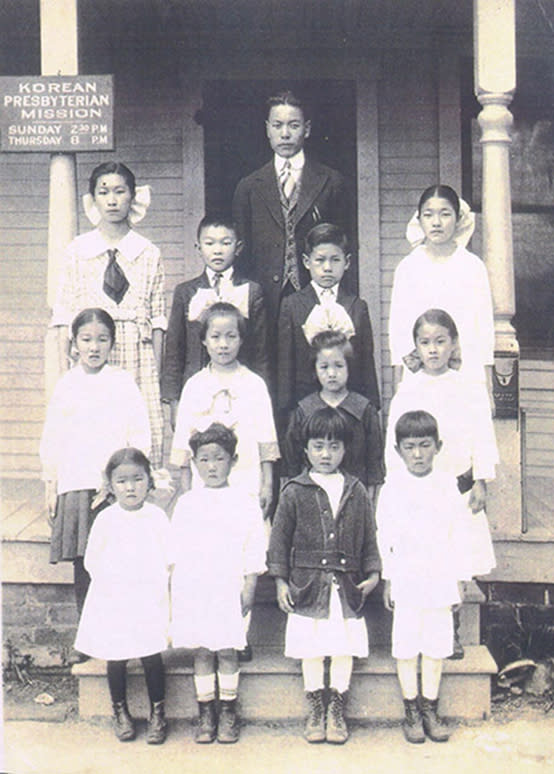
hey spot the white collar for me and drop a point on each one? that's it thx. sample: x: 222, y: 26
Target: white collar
x: 296, y: 162
x: 226, y: 275
x: 329, y: 292
x: 94, y: 244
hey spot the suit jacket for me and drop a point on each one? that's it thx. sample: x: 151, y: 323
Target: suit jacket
x: 185, y: 354
x: 259, y: 218
x: 296, y: 374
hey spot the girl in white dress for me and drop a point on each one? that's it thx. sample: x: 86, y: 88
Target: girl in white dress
x: 226, y: 391
x: 95, y: 408
x: 440, y: 273
x: 126, y: 612
x: 218, y: 544
x: 118, y: 269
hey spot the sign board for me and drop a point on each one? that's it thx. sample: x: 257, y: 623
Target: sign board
x: 56, y: 113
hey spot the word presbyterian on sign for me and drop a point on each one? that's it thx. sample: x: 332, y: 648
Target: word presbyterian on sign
x: 56, y: 113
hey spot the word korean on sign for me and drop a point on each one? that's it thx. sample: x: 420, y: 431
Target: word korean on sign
x: 56, y: 113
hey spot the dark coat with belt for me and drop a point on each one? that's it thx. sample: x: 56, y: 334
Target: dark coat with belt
x: 309, y: 548
x: 259, y: 217
x: 185, y: 354
x: 296, y: 373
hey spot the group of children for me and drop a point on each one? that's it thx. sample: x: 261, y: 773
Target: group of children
x: 328, y: 536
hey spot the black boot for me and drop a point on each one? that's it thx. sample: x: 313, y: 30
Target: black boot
x: 337, y: 730
x: 157, y: 725
x: 228, y: 725
x: 314, y: 730
x: 412, y: 724
x: 123, y: 723
x: 207, y: 723
x: 457, y: 649
x: 432, y: 724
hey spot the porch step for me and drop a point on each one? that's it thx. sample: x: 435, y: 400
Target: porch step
x: 271, y: 687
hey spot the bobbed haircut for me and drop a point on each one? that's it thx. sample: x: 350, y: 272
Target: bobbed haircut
x: 222, y: 309
x: 436, y: 317
x: 330, y: 339
x: 328, y: 423
x: 129, y: 456
x: 222, y: 219
x: 325, y: 234
x: 112, y: 168
x: 93, y: 314
x: 416, y: 424
x: 443, y: 192
x: 216, y: 433
x: 287, y: 97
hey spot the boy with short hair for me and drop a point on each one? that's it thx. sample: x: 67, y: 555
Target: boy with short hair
x: 218, y: 542
x: 418, y: 517
x: 219, y: 246
x: 322, y: 305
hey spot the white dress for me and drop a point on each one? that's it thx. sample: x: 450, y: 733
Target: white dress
x: 217, y: 537
x: 462, y: 410
x: 418, y: 532
x: 239, y: 399
x: 89, y: 417
x: 335, y: 635
x: 460, y: 286
x: 126, y: 612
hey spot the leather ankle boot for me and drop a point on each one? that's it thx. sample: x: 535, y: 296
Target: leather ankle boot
x: 123, y: 723
x: 207, y: 723
x: 412, y: 724
x: 157, y: 725
x: 432, y: 724
x: 228, y: 725
x: 314, y: 730
x: 337, y: 730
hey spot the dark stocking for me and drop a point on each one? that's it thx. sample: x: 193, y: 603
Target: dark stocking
x: 154, y: 675
x: 117, y: 680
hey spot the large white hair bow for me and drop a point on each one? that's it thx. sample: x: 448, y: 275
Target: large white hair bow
x: 139, y: 206
x: 237, y: 295
x: 330, y: 316
x: 465, y: 227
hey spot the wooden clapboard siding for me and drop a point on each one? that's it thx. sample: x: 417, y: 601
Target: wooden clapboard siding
x: 149, y: 140
x: 408, y: 163
x: 537, y: 400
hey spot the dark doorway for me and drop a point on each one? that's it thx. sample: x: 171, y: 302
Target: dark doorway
x: 235, y: 142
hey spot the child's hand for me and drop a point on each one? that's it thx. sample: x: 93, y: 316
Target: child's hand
x: 478, y: 496
x: 266, y: 495
x: 247, y: 594
x: 284, y: 598
x: 50, y: 497
x: 367, y: 586
x: 387, y: 601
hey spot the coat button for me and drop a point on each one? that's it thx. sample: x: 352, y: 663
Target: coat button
x: 324, y: 561
x: 331, y: 536
x: 275, y: 278
x: 343, y: 560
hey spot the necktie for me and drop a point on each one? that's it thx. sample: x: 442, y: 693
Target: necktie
x: 286, y: 180
x: 116, y: 283
x: 327, y: 296
x: 218, y: 276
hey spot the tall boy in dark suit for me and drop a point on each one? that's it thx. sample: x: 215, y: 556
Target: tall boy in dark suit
x: 278, y: 204
x: 185, y: 355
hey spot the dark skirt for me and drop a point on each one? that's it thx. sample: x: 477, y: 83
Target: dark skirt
x: 74, y: 518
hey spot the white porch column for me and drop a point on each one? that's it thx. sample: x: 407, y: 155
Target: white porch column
x: 495, y: 83
x: 58, y: 37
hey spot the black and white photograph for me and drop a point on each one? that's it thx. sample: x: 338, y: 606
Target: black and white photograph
x: 277, y: 386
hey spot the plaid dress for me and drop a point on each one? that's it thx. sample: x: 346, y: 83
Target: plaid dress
x: 141, y: 310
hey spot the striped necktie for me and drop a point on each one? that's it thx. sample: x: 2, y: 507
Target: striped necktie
x: 115, y: 283
x: 286, y: 180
